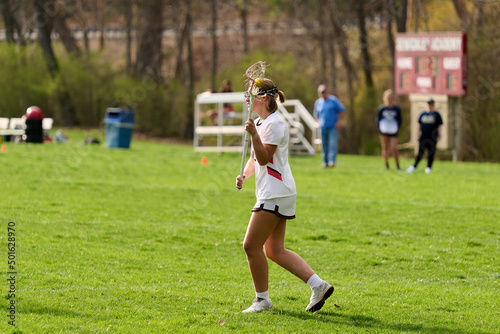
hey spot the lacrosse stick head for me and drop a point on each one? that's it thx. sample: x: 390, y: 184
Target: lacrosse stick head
x: 255, y: 76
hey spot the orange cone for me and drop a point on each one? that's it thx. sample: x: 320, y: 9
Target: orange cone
x: 204, y: 161
x: 4, y: 148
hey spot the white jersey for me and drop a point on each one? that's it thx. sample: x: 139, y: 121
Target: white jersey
x: 274, y: 179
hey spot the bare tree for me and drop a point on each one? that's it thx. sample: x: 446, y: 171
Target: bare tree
x: 213, y: 32
x: 479, y: 20
x: 341, y: 39
x: 396, y: 11
x: 463, y: 13
x: 333, y: 58
x: 315, y: 18
x: 149, y: 56
x: 80, y: 15
x: 363, y: 40
x: 188, y: 133
x: 67, y: 38
x: 242, y: 6
x: 9, y: 20
x: 390, y: 37
x: 126, y: 8
x: 128, y: 15
x: 101, y: 22
x: 42, y: 10
x: 42, y: 21
x: 322, y: 41
x: 416, y: 16
x: 181, y: 35
x: 402, y: 14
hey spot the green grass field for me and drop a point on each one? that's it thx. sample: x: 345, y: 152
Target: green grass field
x: 148, y: 240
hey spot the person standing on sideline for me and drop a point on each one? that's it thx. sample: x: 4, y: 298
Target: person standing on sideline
x: 389, y: 122
x: 276, y: 195
x: 226, y: 88
x: 328, y: 111
x: 227, y: 107
x: 430, y: 123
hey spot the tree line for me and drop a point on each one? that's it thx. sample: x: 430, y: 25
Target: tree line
x: 348, y: 45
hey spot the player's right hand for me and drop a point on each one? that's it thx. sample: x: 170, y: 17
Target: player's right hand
x: 250, y: 127
x: 239, y: 181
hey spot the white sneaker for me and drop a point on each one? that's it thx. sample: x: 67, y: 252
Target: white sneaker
x: 318, y: 297
x: 427, y: 170
x: 410, y: 169
x: 259, y: 304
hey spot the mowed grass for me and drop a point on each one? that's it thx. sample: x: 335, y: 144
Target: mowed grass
x: 148, y: 240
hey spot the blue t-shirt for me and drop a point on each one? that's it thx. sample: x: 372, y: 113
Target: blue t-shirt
x: 327, y: 111
x: 429, y: 123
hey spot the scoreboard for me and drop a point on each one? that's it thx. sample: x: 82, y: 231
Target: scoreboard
x: 431, y: 63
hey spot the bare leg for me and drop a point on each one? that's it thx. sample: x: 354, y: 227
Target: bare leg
x: 394, y: 148
x: 259, y: 229
x: 287, y: 259
x: 384, y: 142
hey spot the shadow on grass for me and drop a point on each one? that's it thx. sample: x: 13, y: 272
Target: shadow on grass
x: 362, y: 321
x: 31, y: 308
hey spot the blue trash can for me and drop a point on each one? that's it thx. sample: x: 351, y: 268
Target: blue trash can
x: 119, y: 124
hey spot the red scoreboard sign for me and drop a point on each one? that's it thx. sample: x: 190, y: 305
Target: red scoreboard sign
x: 431, y: 64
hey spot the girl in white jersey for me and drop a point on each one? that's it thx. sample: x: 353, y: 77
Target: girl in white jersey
x: 276, y: 194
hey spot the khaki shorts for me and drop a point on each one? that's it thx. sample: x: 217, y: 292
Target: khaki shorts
x: 283, y: 207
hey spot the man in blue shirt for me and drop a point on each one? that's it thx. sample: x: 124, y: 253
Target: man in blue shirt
x: 430, y: 123
x: 328, y: 110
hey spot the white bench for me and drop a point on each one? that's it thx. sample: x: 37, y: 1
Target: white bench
x: 225, y: 130
x: 15, y: 128
x: 47, y: 123
x: 4, y: 123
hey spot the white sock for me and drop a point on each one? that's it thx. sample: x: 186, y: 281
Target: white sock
x: 263, y: 295
x: 314, y: 281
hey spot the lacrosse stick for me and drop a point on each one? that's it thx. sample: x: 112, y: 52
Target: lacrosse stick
x: 254, y: 72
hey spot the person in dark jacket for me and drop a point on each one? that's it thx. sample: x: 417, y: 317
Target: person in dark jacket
x: 430, y: 124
